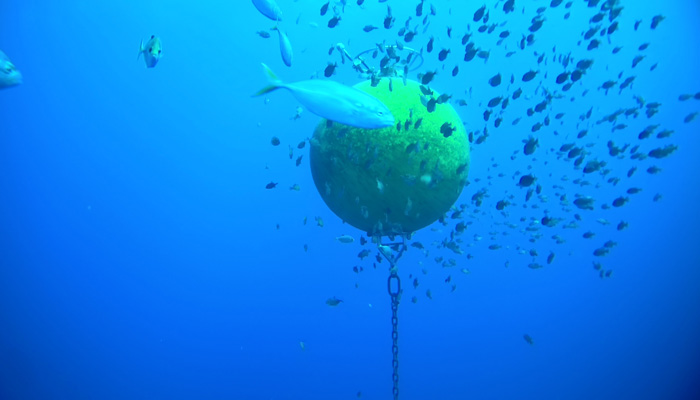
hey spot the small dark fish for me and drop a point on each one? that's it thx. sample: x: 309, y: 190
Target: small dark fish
x: 531, y: 145
x: 330, y: 70
x: 333, y: 22
x: 584, y: 64
x: 427, y: 77
x: 419, y: 9
x: 333, y: 301
x: 608, y: 84
x: 470, y: 54
x: 430, y: 106
x: 526, y: 180
x: 501, y: 205
x: 584, y: 203
x: 447, y: 129
x: 656, y: 21
x: 600, y: 252
x: 509, y: 6
x: 653, y: 170
x: 536, y: 24
x: 408, y: 37
x: 263, y: 34
x: 465, y: 38
x: 389, y: 19
x: 443, y: 98
x: 369, y: 28
x: 627, y: 82
x: 324, y: 8
x: 495, y: 80
x: 455, y: 70
x: 430, y: 44
x: 550, y: 258
x: 530, y: 75
x: 275, y: 141
x: 495, y: 101
x: 637, y: 60
x: 591, y: 32
x: 593, y: 166
x: 620, y: 201
x: 443, y: 54
x: 271, y: 185
x: 663, y: 152
x: 479, y: 14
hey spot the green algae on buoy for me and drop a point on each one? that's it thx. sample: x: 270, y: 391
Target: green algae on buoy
x: 394, y: 180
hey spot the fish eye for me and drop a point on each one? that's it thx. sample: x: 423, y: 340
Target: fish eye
x: 380, y: 112
x: 150, y: 49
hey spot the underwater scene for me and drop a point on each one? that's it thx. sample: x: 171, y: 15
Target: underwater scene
x: 349, y: 199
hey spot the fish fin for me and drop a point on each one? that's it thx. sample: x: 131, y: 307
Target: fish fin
x: 140, y: 51
x: 274, y: 82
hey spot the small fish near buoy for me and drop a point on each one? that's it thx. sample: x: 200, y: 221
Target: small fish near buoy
x: 333, y: 301
x: 345, y: 239
x: 285, y: 47
x: 269, y: 8
x: 9, y: 74
x: 152, y: 51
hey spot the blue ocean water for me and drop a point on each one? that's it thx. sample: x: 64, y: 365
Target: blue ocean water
x: 141, y: 256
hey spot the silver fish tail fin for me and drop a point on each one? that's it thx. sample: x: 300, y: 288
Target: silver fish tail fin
x: 274, y: 82
x: 140, y: 50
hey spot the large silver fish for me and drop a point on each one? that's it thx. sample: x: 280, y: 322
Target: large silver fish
x: 269, y: 8
x: 334, y: 101
x: 285, y: 47
x: 152, y: 51
x: 9, y: 74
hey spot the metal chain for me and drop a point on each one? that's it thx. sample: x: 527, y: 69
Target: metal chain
x: 395, y: 331
x: 395, y: 294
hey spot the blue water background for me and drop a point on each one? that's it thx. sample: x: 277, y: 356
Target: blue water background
x: 140, y: 256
